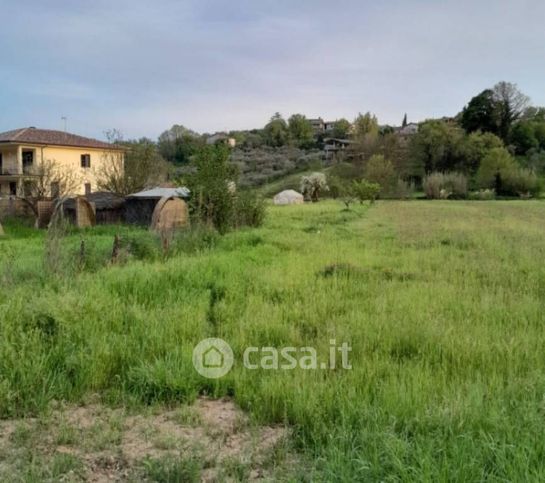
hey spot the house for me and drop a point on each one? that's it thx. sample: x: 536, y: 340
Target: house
x: 408, y: 130
x: 221, y: 138
x: 334, y: 145
x: 23, y: 151
x: 317, y: 124
x: 329, y: 126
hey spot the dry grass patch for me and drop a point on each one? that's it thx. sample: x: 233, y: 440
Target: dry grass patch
x: 209, y: 441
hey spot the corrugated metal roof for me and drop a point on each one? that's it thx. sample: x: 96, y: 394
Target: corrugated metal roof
x: 180, y: 192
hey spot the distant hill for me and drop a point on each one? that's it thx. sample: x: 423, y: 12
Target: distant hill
x: 264, y: 165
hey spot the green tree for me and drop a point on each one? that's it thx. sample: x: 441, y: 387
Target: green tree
x: 365, y: 126
x: 341, y: 129
x: 381, y: 171
x: 178, y: 144
x: 211, y: 199
x: 496, y: 167
x: 475, y: 147
x: 404, y: 123
x: 523, y: 137
x: 436, y: 147
x: 300, y: 130
x: 481, y: 113
x: 276, y: 131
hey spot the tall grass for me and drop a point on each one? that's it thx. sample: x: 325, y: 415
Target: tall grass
x: 443, y: 310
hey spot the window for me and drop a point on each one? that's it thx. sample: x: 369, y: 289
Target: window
x: 55, y: 189
x: 87, y: 188
x: 13, y: 188
x: 85, y: 160
x: 28, y: 160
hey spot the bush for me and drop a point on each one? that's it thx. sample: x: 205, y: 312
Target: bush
x: 486, y: 194
x: 313, y: 186
x: 522, y: 182
x: 500, y: 171
x: 404, y: 190
x: 249, y: 209
x: 365, y: 190
x: 381, y: 171
x: 336, y: 186
x: 445, y: 185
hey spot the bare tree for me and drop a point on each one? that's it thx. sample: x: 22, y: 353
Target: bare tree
x: 511, y: 104
x: 48, y: 180
x: 137, y: 166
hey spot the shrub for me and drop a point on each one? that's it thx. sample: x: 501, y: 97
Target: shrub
x: 500, y: 171
x: 313, y: 186
x: 403, y: 190
x: 486, y: 194
x: 365, y: 190
x: 445, y: 185
x: 496, y: 166
x: 249, y: 209
x: 381, y: 171
x: 522, y: 182
x: 336, y: 186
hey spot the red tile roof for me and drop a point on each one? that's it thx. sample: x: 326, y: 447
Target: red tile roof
x: 31, y: 135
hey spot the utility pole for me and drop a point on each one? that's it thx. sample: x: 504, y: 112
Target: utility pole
x: 64, y: 119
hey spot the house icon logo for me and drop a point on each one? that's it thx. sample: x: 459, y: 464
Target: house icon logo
x: 213, y: 358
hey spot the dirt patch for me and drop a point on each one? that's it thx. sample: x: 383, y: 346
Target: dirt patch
x: 112, y: 445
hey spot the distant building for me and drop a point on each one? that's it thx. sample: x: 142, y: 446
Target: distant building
x: 318, y: 125
x: 408, y: 130
x: 333, y: 145
x: 222, y: 138
x: 329, y: 126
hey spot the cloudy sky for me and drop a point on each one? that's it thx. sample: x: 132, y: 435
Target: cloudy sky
x: 141, y: 66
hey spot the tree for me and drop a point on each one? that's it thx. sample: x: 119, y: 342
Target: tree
x: 365, y: 126
x: 380, y: 171
x: 300, y: 130
x: 481, y: 113
x: 436, y: 147
x: 276, y: 131
x: 178, y: 144
x: 141, y: 167
x: 511, y: 104
x: 404, y: 123
x: 211, y: 199
x: 496, y: 167
x: 313, y: 186
x: 47, y: 179
x: 523, y: 137
x: 341, y: 128
x: 474, y: 148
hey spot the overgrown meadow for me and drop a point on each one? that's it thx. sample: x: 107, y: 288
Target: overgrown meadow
x: 442, y: 303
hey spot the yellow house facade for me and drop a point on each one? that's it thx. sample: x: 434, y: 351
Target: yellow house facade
x: 29, y: 153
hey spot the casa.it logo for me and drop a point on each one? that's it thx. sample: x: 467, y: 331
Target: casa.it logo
x: 213, y: 358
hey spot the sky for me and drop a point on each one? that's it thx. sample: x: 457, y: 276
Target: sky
x: 142, y: 66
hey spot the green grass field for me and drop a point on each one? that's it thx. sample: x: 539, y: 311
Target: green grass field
x: 442, y: 303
